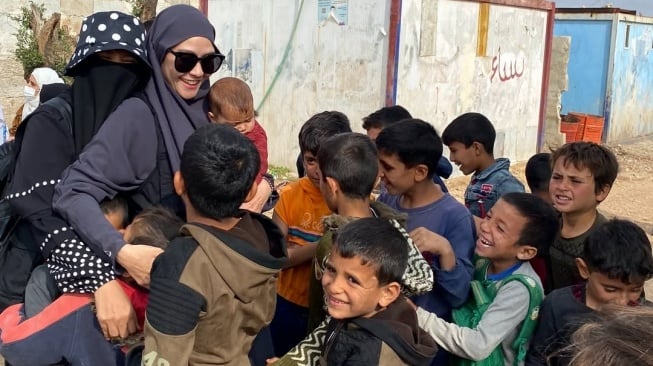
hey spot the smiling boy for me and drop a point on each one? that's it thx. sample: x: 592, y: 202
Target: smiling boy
x: 615, y: 263
x: 470, y: 138
x: 511, y: 234
x: 371, y: 323
x: 583, y: 174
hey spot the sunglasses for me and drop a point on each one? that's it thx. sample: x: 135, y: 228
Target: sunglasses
x: 186, y: 61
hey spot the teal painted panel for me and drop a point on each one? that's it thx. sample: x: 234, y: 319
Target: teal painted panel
x: 588, y: 64
x: 631, y: 109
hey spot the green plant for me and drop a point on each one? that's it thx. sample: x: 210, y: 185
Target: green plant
x: 60, y: 50
x: 27, y: 48
x: 144, y: 9
x: 137, y: 7
x: 56, y: 43
x: 279, y: 172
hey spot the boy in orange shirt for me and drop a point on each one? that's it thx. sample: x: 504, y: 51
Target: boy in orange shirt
x: 299, y: 214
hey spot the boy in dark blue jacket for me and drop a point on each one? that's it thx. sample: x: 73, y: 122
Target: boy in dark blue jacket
x: 437, y: 222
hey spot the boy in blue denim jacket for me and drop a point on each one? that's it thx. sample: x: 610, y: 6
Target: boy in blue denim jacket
x: 470, y: 138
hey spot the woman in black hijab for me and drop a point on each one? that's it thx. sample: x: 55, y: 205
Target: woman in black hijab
x: 135, y: 153
x: 108, y: 66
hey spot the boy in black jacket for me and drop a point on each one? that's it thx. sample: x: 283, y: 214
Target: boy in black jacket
x: 372, y: 324
x: 616, y: 262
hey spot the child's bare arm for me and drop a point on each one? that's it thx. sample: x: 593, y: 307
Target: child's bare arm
x: 296, y: 254
x: 282, y: 225
x: 263, y: 191
x: 300, y: 254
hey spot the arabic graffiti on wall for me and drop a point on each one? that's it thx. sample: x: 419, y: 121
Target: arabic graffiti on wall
x: 507, y: 65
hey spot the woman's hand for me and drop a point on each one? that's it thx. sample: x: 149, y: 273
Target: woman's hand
x: 137, y: 260
x: 114, y: 311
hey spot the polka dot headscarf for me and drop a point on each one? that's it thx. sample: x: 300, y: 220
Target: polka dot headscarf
x: 105, y: 31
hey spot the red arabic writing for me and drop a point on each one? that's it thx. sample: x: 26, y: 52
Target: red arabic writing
x: 507, y: 66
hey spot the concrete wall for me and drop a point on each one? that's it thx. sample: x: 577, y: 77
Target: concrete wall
x: 444, y: 71
x: 328, y: 67
x: 72, y: 12
x: 631, y: 112
x: 558, y: 83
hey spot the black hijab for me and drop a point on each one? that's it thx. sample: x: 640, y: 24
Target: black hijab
x: 49, y: 91
x: 99, y: 85
x: 97, y: 91
x: 177, y: 117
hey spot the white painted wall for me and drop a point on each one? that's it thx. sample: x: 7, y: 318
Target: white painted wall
x: 329, y: 67
x: 441, y: 77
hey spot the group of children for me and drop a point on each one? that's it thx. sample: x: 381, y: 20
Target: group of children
x: 335, y: 277
x: 513, y: 245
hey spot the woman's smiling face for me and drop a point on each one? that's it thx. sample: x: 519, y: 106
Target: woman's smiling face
x: 187, y: 84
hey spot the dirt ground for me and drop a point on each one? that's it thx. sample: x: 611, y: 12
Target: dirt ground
x: 631, y: 195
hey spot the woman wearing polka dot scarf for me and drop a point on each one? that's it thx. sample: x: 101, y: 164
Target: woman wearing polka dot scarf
x: 106, y: 71
x: 125, y: 156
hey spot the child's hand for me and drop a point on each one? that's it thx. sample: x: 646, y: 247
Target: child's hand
x: 428, y: 241
x: 114, y: 311
x: 271, y: 361
x: 256, y: 203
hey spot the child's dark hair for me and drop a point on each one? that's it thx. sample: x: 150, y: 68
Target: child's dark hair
x: 385, y: 116
x: 620, y: 250
x: 218, y: 165
x: 542, y: 220
x: 377, y: 243
x: 155, y: 226
x: 600, y: 161
x: 414, y: 141
x: 319, y: 127
x: 351, y: 159
x: 538, y: 172
x: 469, y: 128
x: 116, y: 205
